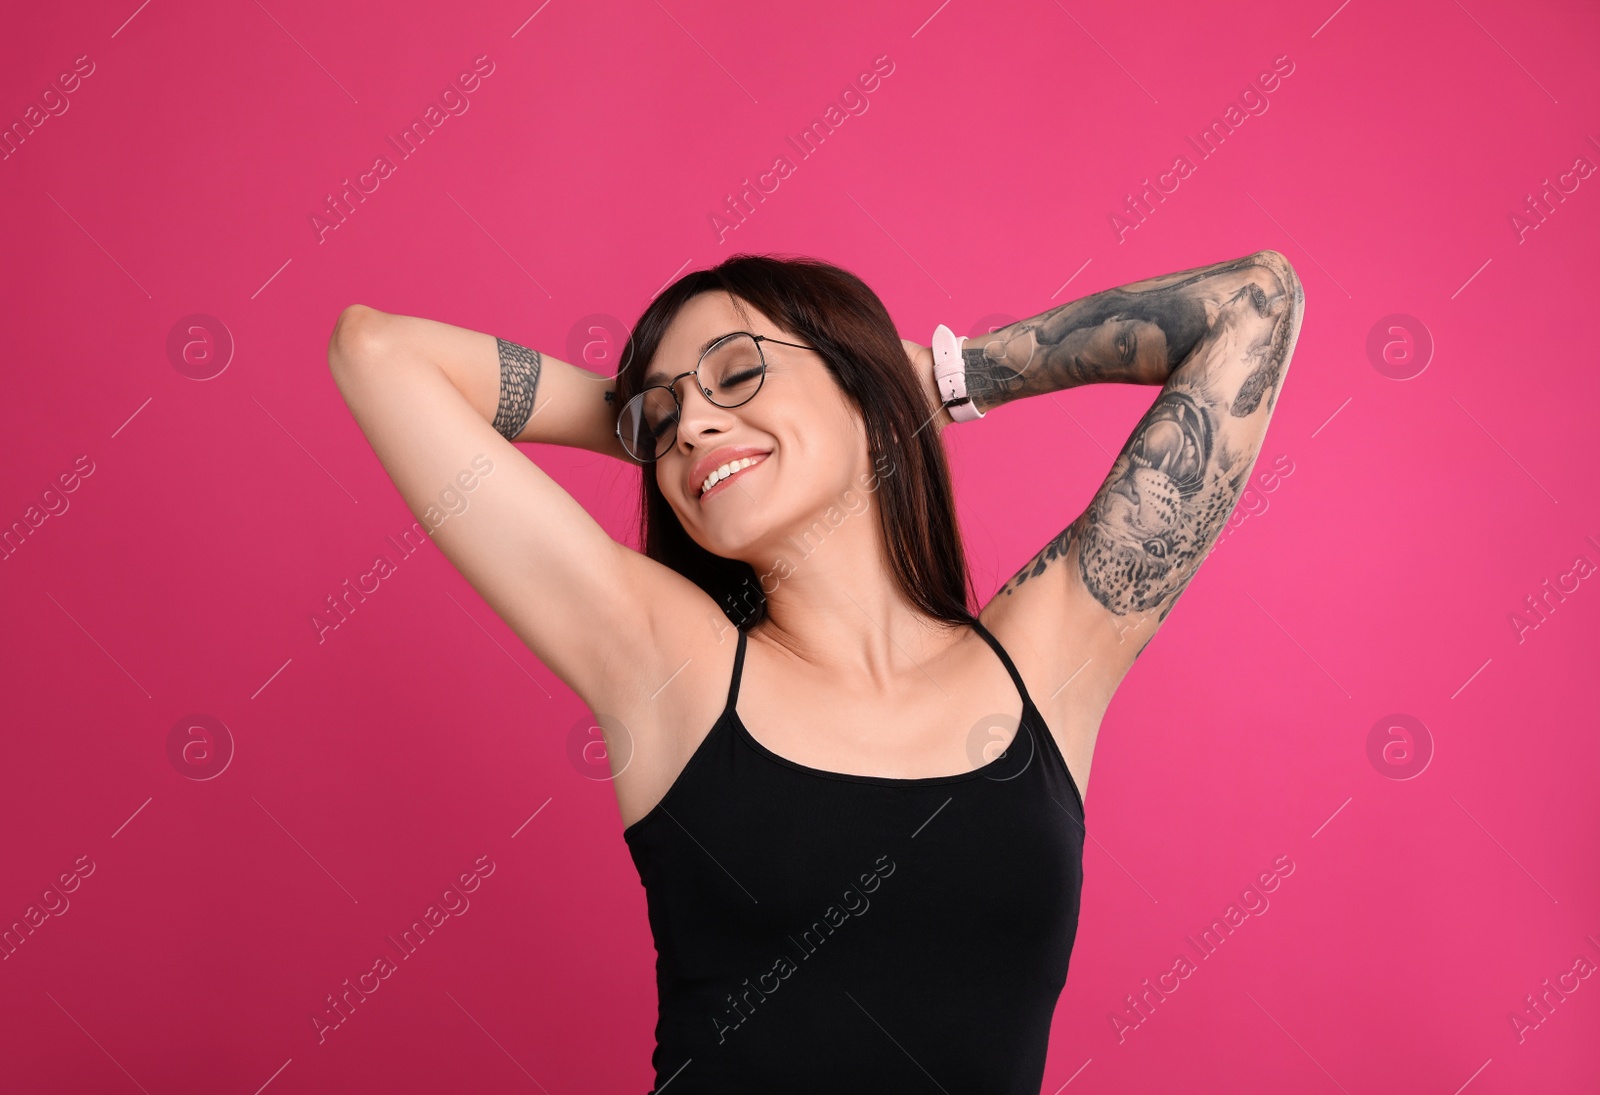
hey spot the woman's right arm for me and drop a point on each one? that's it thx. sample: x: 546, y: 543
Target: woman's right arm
x: 441, y: 404
x: 500, y: 379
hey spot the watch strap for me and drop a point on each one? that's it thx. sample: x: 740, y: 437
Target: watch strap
x: 950, y: 373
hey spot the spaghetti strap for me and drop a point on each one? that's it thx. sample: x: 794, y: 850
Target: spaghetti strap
x: 1027, y: 705
x: 738, y: 672
x: 1016, y: 678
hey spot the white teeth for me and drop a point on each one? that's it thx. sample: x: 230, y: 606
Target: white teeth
x: 723, y: 472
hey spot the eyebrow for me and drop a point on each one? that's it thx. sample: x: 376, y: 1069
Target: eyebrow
x: 656, y: 376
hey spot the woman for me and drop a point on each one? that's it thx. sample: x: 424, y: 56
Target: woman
x: 855, y: 806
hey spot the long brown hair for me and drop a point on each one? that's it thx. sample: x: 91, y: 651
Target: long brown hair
x: 837, y: 313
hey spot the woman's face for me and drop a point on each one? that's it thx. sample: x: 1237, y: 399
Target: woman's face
x: 807, y: 438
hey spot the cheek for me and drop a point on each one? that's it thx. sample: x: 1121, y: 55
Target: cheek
x: 1103, y: 347
x: 668, y: 482
x: 1079, y: 343
x: 820, y: 438
x: 1152, y: 343
x: 830, y: 442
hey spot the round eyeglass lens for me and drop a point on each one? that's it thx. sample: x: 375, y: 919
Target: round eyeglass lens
x: 729, y: 375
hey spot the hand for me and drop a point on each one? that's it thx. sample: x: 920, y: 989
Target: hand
x: 921, y: 358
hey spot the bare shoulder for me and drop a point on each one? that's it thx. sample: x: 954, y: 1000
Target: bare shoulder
x: 1068, y: 654
x: 660, y: 693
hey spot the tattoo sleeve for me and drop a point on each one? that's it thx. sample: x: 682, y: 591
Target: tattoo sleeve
x: 1221, y: 340
x: 1134, y: 334
x: 519, y: 381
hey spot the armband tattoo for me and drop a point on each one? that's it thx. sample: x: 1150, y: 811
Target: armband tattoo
x: 519, y: 380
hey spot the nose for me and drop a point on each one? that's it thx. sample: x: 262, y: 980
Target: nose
x: 697, y: 415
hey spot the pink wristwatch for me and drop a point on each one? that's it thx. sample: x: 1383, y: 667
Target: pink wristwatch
x: 950, y: 372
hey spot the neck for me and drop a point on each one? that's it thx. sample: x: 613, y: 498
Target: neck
x: 835, y: 605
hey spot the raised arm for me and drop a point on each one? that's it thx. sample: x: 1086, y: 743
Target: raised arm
x: 1139, y: 334
x: 440, y: 406
x: 1218, y: 339
x: 511, y: 386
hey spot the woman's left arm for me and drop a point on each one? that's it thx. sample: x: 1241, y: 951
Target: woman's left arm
x: 1141, y: 333
x: 1218, y: 339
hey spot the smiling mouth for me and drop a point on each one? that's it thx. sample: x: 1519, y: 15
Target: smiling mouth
x: 746, y: 462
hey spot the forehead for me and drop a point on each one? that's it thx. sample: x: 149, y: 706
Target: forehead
x: 706, y: 318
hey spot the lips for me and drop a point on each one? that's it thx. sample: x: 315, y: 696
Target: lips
x: 723, y: 483
x: 714, y: 460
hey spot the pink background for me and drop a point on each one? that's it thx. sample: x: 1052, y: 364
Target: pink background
x: 1377, y: 575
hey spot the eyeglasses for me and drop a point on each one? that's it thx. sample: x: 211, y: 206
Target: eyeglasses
x: 729, y: 374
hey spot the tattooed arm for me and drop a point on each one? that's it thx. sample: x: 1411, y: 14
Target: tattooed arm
x: 525, y: 395
x: 1218, y: 339
x: 1134, y: 334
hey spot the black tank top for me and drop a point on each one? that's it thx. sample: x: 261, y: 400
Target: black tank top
x: 824, y: 932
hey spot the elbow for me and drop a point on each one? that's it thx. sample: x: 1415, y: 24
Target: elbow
x: 356, y: 336
x: 1279, y: 264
